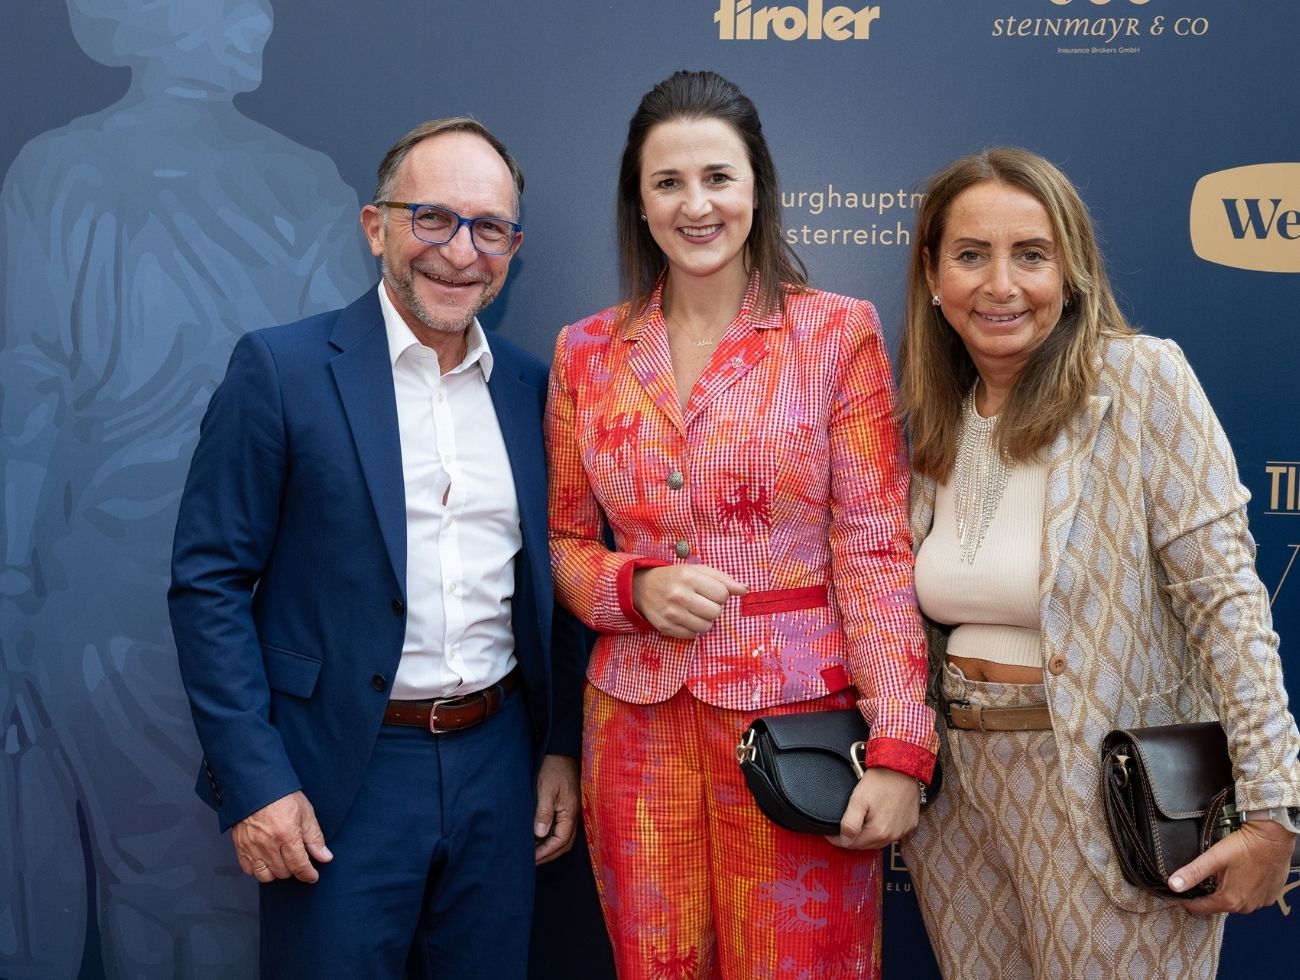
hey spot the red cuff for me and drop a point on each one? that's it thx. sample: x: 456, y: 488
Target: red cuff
x: 623, y: 588
x: 910, y: 760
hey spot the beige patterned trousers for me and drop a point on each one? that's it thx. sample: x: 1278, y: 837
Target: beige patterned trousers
x: 1003, y: 889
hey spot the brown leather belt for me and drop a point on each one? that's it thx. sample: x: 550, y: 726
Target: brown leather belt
x: 441, y: 715
x: 976, y: 718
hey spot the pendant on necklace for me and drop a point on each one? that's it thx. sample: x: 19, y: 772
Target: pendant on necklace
x: 705, y: 343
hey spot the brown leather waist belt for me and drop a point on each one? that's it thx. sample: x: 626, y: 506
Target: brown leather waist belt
x: 976, y: 718
x: 441, y: 715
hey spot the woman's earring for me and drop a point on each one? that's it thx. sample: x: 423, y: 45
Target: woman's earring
x: 1069, y: 301
x: 934, y: 300
x: 643, y: 216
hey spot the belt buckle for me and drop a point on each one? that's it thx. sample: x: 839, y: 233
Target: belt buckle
x: 964, y: 705
x: 433, y: 713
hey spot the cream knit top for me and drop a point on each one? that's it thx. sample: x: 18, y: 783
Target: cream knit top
x: 992, y: 602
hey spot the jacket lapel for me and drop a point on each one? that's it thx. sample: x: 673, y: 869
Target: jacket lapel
x: 922, y: 508
x: 1069, y: 460
x: 517, y: 406
x: 651, y: 363
x: 734, y: 358
x: 363, y: 374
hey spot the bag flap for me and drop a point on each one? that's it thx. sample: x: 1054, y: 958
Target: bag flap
x: 830, y: 731
x: 1186, y: 765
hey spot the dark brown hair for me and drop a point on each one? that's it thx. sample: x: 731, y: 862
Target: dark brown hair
x: 691, y: 95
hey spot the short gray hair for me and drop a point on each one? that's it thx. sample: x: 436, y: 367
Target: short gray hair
x: 392, y: 162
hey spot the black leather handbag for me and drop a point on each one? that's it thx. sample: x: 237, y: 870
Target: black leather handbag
x: 1168, y: 795
x: 802, y: 768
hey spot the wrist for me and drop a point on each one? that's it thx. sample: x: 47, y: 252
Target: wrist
x: 1286, y: 816
x: 623, y: 589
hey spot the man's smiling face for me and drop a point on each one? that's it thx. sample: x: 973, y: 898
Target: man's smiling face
x: 439, y: 289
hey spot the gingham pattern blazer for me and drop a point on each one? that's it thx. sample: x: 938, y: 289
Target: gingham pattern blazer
x: 786, y: 471
x: 1150, y: 607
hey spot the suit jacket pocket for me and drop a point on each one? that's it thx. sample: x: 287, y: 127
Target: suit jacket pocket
x: 289, y: 672
x: 1175, y: 705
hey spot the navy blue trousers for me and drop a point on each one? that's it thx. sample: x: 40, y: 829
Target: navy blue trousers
x: 433, y: 867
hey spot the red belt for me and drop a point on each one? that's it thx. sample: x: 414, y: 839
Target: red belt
x: 440, y: 715
x: 782, y: 600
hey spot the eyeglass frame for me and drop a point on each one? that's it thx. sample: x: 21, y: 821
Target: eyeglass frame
x: 461, y: 221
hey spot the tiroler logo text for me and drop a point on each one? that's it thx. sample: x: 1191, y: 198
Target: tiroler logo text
x: 738, y: 20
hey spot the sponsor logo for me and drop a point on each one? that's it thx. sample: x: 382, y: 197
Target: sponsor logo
x: 841, y: 212
x: 1099, y: 27
x: 1281, y: 899
x: 1283, y: 487
x: 1249, y: 218
x: 1294, y: 549
x: 739, y: 20
x: 1283, y: 478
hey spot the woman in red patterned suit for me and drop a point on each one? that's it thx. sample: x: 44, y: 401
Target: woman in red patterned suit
x: 734, y: 428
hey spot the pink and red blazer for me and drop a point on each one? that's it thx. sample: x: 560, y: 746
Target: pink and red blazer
x: 786, y: 470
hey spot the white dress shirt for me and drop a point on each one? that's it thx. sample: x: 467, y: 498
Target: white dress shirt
x: 462, y: 518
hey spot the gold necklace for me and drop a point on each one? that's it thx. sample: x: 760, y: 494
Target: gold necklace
x: 689, y: 336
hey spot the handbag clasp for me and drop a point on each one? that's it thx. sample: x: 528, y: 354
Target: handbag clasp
x: 858, y: 758
x: 1119, y: 766
x: 745, y: 750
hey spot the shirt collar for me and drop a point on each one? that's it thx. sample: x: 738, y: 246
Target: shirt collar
x: 401, y: 339
x: 654, y: 310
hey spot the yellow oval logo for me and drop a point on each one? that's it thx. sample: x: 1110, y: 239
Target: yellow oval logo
x: 1249, y: 217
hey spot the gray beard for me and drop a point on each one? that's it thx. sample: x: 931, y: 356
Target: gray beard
x: 405, y: 292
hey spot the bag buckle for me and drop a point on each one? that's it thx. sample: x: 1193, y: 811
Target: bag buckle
x: 858, y: 758
x: 745, y: 750
x: 1119, y: 768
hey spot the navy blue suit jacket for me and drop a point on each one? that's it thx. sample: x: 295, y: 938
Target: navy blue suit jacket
x: 288, y: 595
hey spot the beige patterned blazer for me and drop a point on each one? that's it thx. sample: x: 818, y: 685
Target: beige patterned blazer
x: 1150, y: 607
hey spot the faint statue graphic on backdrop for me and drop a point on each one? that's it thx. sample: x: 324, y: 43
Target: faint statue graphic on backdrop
x: 139, y: 243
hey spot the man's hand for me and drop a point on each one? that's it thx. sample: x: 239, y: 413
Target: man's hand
x: 885, y: 806
x: 682, y: 601
x: 556, y: 818
x: 1251, y: 867
x: 281, y: 840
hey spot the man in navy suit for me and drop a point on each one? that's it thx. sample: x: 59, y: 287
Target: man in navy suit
x: 387, y: 698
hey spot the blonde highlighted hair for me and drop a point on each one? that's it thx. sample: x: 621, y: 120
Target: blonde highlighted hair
x: 936, y: 372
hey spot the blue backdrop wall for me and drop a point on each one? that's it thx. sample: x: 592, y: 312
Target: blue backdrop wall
x: 178, y: 173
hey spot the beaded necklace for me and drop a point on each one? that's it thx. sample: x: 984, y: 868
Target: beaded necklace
x: 979, y: 478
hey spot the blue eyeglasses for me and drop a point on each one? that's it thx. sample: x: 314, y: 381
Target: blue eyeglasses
x: 438, y: 226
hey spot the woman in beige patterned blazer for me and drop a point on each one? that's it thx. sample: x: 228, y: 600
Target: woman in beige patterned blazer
x: 1084, y: 563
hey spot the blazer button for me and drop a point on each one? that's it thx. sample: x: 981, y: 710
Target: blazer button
x: 1057, y: 664
x: 682, y: 549
x: 398, y: 607
x: 676, y: 480
x: 378, y: 682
